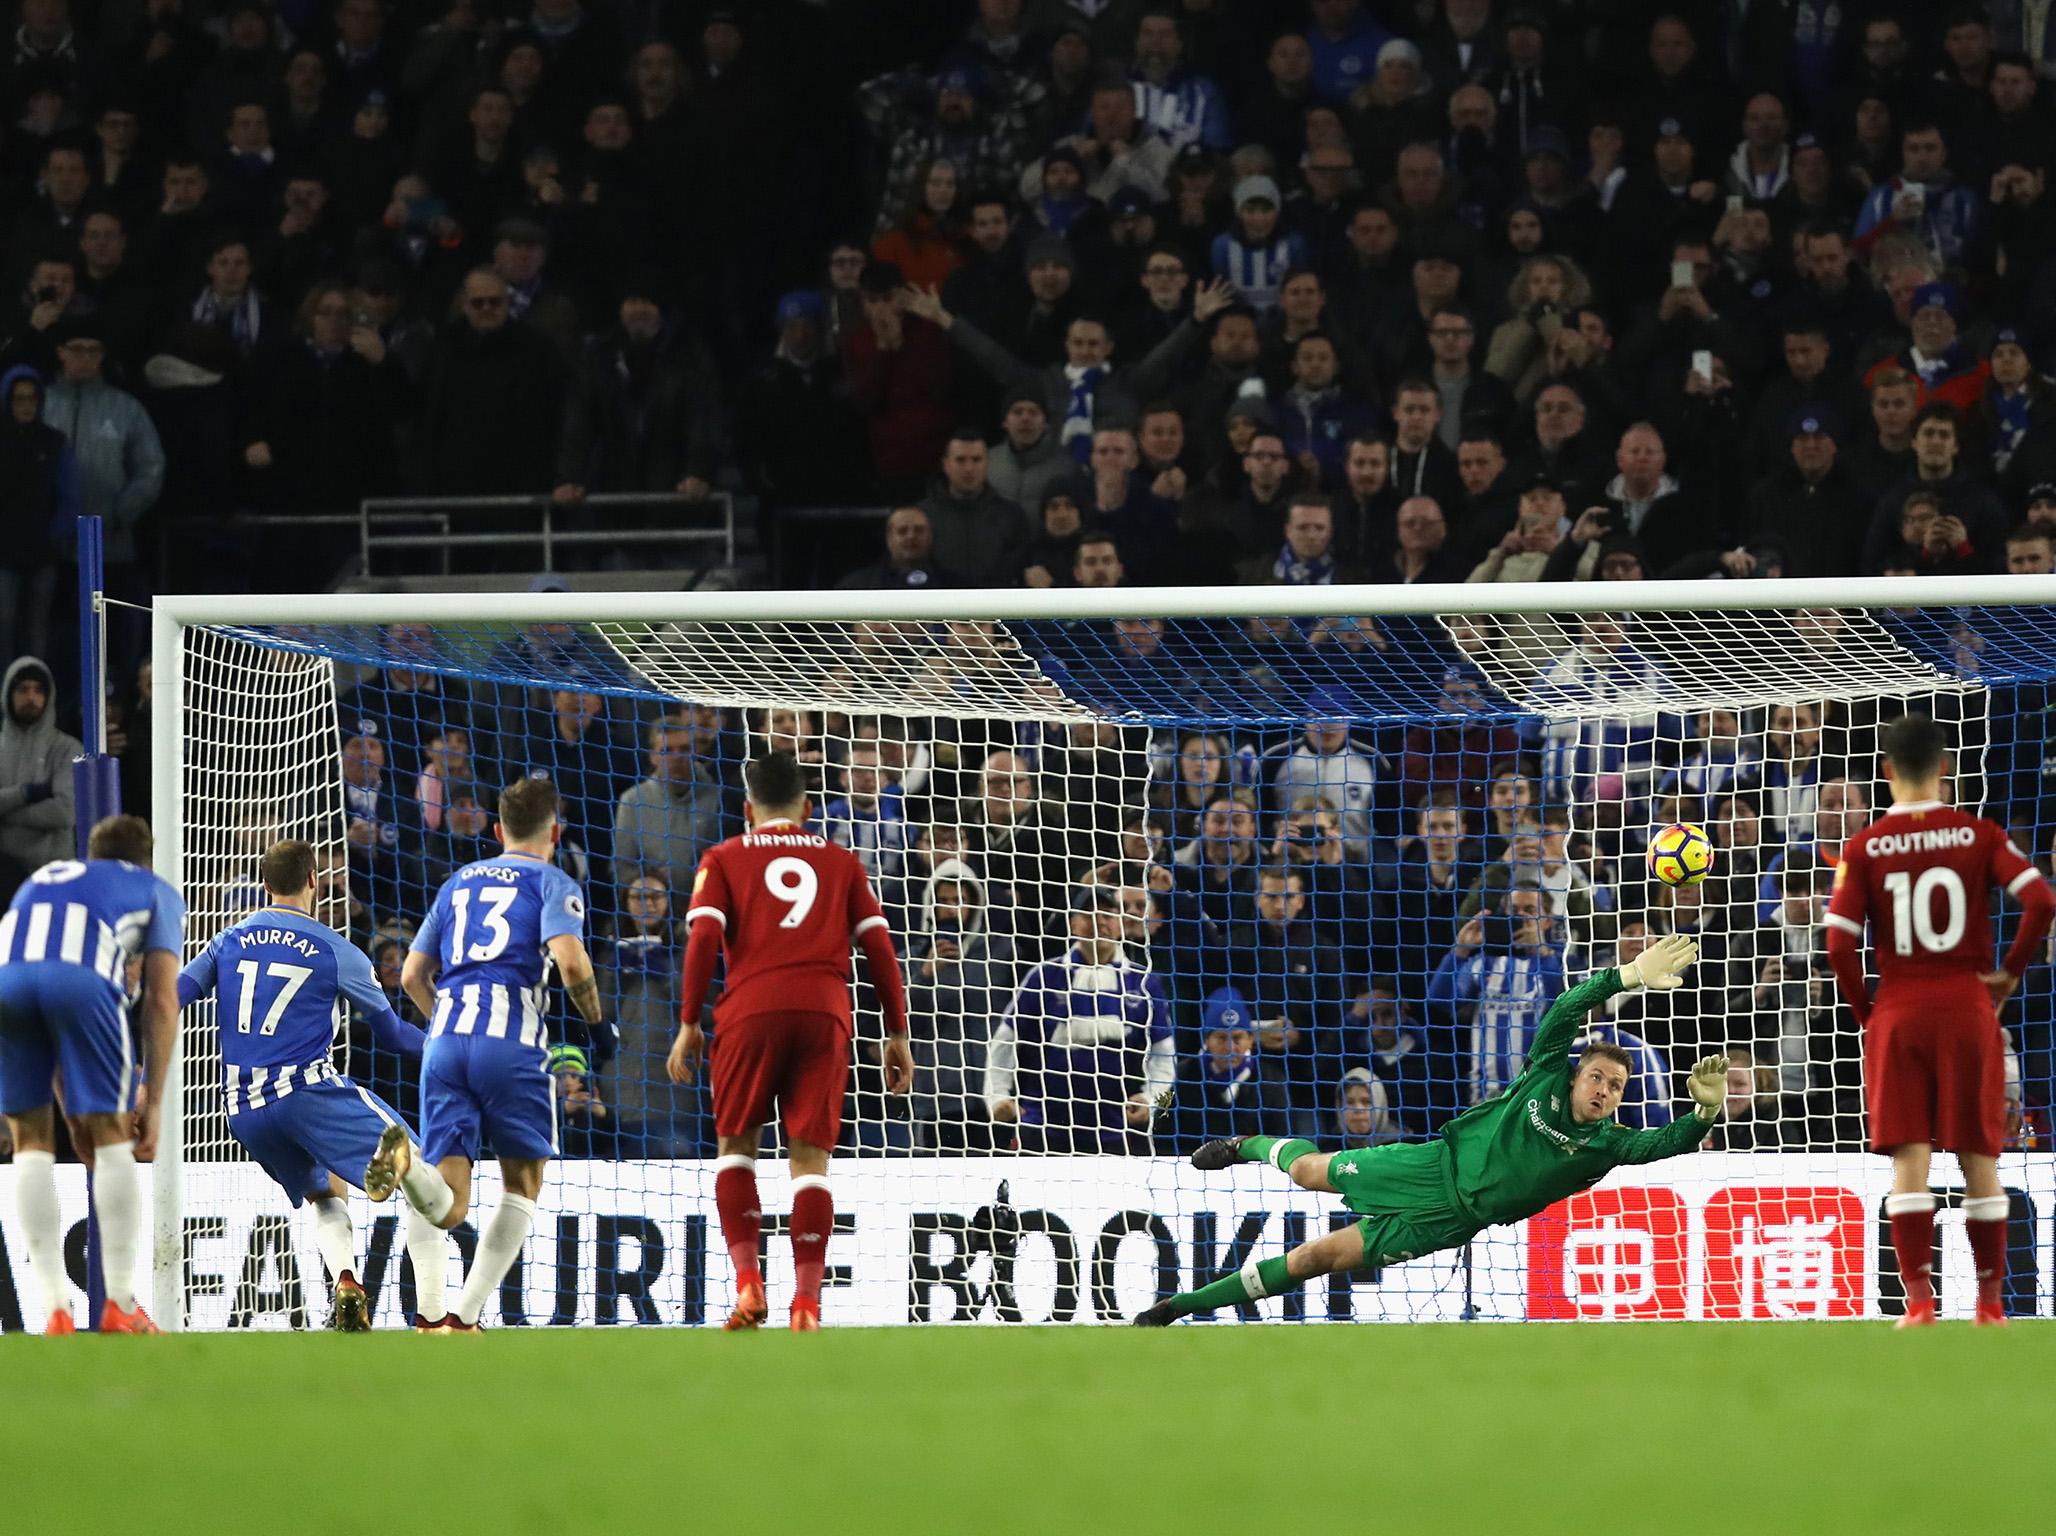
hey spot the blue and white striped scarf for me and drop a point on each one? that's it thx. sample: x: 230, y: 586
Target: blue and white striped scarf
x: 241, y: 317
x: 1077, y: 430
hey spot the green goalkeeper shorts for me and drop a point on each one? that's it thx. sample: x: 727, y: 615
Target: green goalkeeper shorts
x: 1403, y: 1193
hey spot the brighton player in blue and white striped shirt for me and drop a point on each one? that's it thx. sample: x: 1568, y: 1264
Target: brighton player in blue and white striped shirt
x: 477, y: 971
x: 278, y: 977
x: 65, y: 947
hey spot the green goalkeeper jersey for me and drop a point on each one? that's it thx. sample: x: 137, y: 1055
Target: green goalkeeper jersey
x: 1521, y: 1150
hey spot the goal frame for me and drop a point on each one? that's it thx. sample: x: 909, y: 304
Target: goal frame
x: 173, y: 615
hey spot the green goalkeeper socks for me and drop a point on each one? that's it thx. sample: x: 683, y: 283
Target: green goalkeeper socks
x: 1252, y: 1282
x: 1278, y: 1151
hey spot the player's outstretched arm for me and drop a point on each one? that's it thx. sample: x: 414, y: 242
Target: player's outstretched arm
x: 1659, y: 968
x: 1708, y: 1085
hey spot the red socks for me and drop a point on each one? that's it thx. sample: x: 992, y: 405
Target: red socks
x: 813, y: 1218
x: 1913, y: 1240
x: 735, y: 1197
x: 1985, y: 1222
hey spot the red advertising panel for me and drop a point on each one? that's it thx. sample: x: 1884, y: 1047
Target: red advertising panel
x: 1784, y: 1251
x: 1609, y: 1253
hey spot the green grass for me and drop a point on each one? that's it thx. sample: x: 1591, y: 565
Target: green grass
x: 1514, y: 1430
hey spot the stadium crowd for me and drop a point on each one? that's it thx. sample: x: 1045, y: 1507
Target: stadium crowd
x: 1567, y: 290
x: 1102, y: 294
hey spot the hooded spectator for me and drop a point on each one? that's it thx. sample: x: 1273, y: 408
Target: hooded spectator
x: 1363, y: 1111
x: 35, y: 774
x: 959, y: 981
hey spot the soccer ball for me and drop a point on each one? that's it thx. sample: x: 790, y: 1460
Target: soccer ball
x: 1681, y: 854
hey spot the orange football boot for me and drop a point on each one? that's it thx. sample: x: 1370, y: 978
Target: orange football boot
x: 114, y: 1320
x: 750, y: 1310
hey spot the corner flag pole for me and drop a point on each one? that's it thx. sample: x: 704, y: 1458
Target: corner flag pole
x: 96, y: 788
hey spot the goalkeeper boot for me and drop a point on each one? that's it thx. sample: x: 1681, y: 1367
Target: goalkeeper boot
x: 352, y: 1312
x: 114, y: 1320
x: 60, y: 1325
x: 750, y: 1310
x: 806, y: 1317
x: 431, y: 1324
x: 1163, y: 1314
x: 1216, y: 1155
x: 389, y: 1164
x: 1990, y: 1314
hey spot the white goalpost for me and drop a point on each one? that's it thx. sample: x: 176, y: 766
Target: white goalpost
x: 1287, y: 821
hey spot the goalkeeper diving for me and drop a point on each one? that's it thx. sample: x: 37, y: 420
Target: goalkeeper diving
x: 1548, y: 1134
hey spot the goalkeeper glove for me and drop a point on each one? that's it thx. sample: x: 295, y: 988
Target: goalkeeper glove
x: 1661, y: 966
x: 1709, y: 1085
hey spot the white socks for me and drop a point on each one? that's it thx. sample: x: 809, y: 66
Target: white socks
x: 425, y: 1189
x: 429, y: 1247
x: 334, y: 1235
x: 117, y: 1200
x: 498, y: 1247
x: 1990, y: 1208
x: 42, y: 1224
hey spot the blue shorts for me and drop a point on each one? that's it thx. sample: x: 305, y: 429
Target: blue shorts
x: 473, y: 1085
x: 52, y: 1016
x: 322, y: 1128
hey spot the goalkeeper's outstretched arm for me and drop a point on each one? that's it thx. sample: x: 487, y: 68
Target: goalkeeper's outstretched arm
x: 1660, y: 968
x: 1709, y: 1087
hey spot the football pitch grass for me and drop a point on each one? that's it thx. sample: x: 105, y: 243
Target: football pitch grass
x: 1515, y: 1430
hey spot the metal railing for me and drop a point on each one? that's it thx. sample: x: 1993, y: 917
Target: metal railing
x: 378, y: 514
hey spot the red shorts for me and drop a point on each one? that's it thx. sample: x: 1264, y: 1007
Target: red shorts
x: 802, y: 1060
x: 1934, y: 1069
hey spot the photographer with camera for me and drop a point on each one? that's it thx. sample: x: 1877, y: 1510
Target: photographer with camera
x: 1499, y: 977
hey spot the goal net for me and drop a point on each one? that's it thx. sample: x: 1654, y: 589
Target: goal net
x: 1153, y: 881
